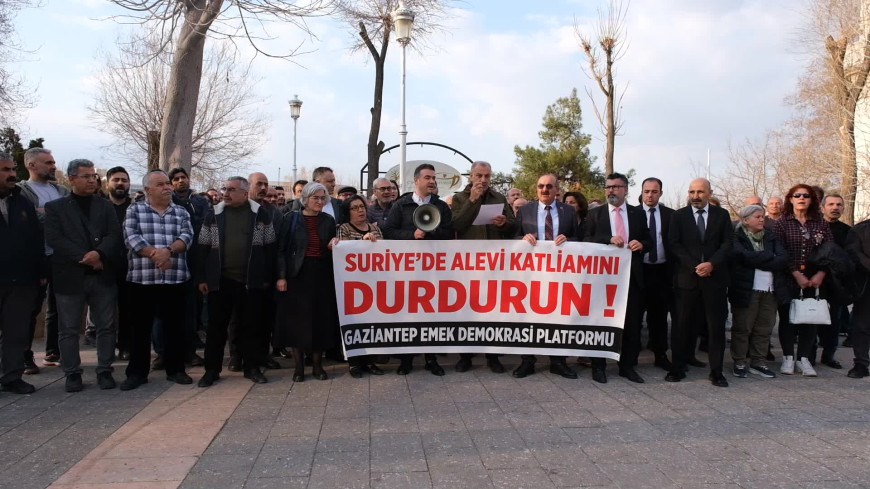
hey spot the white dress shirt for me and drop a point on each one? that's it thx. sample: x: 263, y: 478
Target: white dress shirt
x: 420, y: 200
x: 327, y: 207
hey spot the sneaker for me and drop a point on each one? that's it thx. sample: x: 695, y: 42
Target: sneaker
x: 30, y: 367
x: 762, y: 370
x: 51, y: 360
x: 105, y: 380
x: 806, y: 368
x: 787, y: 367
x: 74, y: 383
x: 739, y: 370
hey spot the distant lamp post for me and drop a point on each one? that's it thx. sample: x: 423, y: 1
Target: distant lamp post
x: 295, y: 109
x: 403, y: 21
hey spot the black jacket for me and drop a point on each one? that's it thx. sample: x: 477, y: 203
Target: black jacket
x: 22, y: 248
x: 744, y: 260
x: 839, y: 284
x: 598, y: 231
x: 262, y: 246
x: 291, y: 246
x: 858, y: 248
x: 400, y: 223
x: 690, y: 250
x: 71, y: 235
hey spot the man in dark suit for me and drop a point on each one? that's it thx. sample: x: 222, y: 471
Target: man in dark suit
x: 623, y: 226
x: 700, y: 235
x: 400, y: 225
x: 546, y: 220
x: 658, y: 271
x: 84, y: 232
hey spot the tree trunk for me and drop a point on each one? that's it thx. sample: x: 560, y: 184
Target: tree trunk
x: 153, y: 150
x: 182, y: 95
x: 611, y: 119
x: 375, y: 146
x: 848, y: 167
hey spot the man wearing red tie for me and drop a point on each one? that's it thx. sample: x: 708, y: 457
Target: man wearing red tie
x: 624, y: 226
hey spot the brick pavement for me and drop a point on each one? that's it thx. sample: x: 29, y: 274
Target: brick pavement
x: 476, y: 430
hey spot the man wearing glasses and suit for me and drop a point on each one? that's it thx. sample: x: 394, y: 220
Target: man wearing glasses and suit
x: 546, y: 220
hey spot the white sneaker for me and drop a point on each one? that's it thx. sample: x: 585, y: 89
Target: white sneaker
x: 787, y: 367
x: 806, y: 367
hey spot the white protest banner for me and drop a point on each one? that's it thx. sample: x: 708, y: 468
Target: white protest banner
x: 487, y: 296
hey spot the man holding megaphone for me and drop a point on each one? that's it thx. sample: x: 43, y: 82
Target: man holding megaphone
x: 420, y: 215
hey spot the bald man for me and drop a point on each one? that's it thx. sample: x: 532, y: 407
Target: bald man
x: 700, y: 236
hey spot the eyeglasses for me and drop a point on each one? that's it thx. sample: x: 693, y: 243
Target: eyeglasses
x: 355, y: 208
x: 541, y: 186
x: 87, y: 176
x: 227, y: 190
x: 614, y: 187
x: 384, y: 189
x: 800, y: 196
x: 321, y: 198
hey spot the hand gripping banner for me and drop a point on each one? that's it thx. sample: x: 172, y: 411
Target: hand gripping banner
x: 485, y: 296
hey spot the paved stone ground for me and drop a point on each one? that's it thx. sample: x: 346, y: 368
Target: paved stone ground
x: 477, y: 430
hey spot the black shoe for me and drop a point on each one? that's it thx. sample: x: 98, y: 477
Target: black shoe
x: 179, y: 378
x: 271, y: 364
x: 696, y: 363
x: 563, y: 370
x: 255, y: 376
x: 718, y: 380
x: 17, y: 386
x: 208, y: 378
x: 281, y: 352
x: 463, y: 365
x: 832, y: 363
x: 663, y: 362
x: 858, y: 372
x: 524, y: 370
x: 374, y: 369
x: 235, y: 363
x: 157, y: 363
x: 631, y: 374
x: 740, y: 371
x: 848, y: 342
x: 74, y: 383
x: 195, y: 361
x: 319, y: 373
x: 131, y: 383
x: 675, y: 376
x: 495, y: 365
x: 356, y: 372
x: 123, y: 356
x: 299, y: 376
x: 105, y: 380
x: 599, y: 375
x: 433, y: 367
x: 404, y: 368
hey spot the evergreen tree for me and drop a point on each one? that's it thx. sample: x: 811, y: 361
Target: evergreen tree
x: 10, y: 142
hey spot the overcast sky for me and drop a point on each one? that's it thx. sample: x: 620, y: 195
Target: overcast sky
x: 698, y: 74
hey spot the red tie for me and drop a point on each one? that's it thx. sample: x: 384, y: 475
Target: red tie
x: 548, y: 225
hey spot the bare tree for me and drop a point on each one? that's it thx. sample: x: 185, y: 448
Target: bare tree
x: 131, y: 99
x: 373, y: 21
x: 187, y: 23
x: 15, y: 95
x: 603, y: 49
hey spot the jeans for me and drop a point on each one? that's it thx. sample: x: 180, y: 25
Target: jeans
x: 16, y: 304
x: 102, y: 298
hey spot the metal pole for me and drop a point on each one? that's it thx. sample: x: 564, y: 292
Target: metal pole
x: 403, y: 130
x: 294, y: 149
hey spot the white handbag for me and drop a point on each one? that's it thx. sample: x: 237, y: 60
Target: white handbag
x: 809, y: 310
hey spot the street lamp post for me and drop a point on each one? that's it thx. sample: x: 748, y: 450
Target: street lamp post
x: 403, y: 21
x: 295, y: 108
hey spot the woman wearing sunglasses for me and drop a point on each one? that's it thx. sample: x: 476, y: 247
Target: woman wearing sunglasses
x: 801, y: 229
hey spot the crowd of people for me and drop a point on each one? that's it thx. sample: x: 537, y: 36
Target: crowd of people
x: 250, y: 266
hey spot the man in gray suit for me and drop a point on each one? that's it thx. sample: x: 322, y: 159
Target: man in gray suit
x: 83, y: 231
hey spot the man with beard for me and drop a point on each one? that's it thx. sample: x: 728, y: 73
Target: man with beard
x: 282, y: 199
x: 700, y: 236
x: 400, y: 225
x: 157, y: 233
x: 829, y: 337
x: 385, y: 195
x: 84, y: 233
x: 623, y: 226
x: 118, y: 183
x: 214, y: 197
x: 22, y: 270
x: 272, y: 196
x: 466, y: 206
x: 40, y: 190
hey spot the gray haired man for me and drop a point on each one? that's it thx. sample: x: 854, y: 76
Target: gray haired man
x: 86, y: 238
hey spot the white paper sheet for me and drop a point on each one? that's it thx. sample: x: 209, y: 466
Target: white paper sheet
x: 487, y: 213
